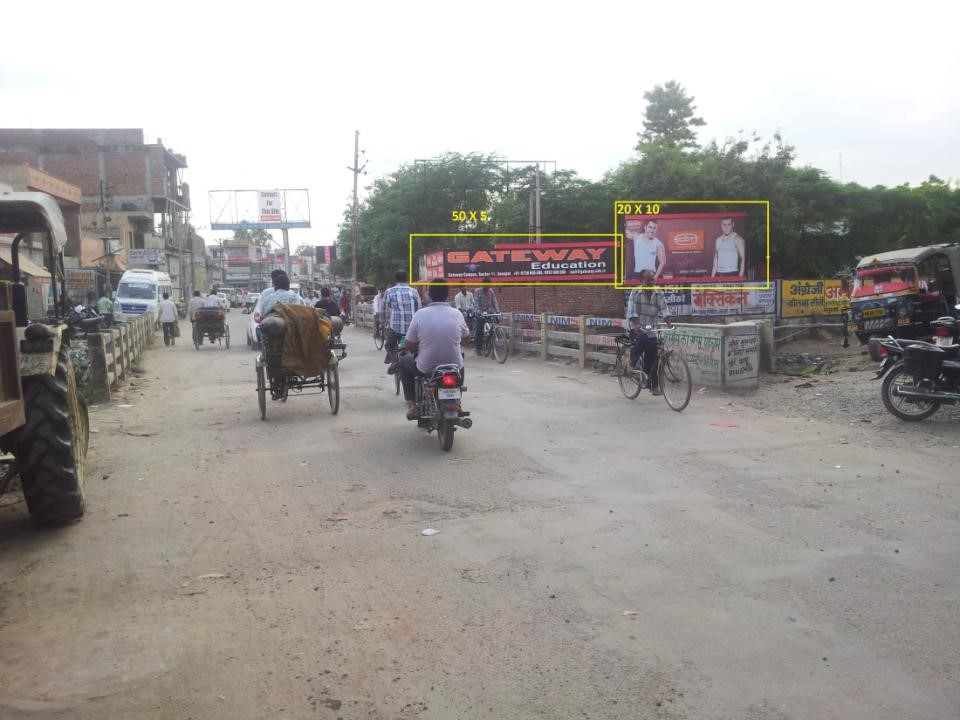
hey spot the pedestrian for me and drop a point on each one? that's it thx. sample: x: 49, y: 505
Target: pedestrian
x: 167, y: 317
x: 105, y: 308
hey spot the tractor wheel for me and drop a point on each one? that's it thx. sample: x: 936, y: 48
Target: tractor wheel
x: 52, y: 445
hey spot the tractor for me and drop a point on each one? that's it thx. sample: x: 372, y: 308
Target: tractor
x: 44, y: 428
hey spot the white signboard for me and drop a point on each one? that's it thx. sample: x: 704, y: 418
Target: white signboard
x: 270, y: 206
x: 141, y: 257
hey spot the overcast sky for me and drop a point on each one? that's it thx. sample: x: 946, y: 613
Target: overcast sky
x: 268, y: 94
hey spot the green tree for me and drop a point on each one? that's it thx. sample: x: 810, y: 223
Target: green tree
x: 418, y: 198
x: 257, y: 236
x: 669, y: 118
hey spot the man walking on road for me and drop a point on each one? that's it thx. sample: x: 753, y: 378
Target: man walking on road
x: 399, y: 304
x: 167, y: 317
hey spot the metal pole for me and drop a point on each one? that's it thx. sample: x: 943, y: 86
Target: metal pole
x: 286, y: 249
x: 530, y: 222
x: 537, y: 208
x: 354, y: 229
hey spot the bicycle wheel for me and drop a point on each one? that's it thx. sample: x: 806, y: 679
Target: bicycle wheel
x: 675, y: 380
x: 262, y: 391
x: 226, y: 336
x: 333, y: 388
x: 500, y: 344
x: 197, y: 337
x: 630, y: 382
x: 487, y: 339
x: 378, y: 340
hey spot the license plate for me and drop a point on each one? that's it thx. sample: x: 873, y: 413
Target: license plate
x: 903, y: 321
x: 874, y: 312
x: 853, y: 326
x: 448, y: 394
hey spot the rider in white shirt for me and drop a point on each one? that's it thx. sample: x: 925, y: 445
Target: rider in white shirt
x: 213, y: 301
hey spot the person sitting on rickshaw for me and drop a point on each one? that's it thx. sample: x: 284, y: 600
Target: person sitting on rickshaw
x: 281, y: 294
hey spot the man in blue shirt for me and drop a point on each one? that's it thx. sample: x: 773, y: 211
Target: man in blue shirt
x: 399, y: 304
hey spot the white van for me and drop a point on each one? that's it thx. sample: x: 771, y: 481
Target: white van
x: 139, y: 292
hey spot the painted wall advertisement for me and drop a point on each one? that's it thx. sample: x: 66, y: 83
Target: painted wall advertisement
x: 731, y: 300
x: 685, y: 248
x: 553, y: 262
x: 271, y: 206
x: 802, y: 298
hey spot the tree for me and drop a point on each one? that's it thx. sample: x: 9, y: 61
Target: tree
x: 257, y: 236
x: 669, y: 118
x: 306, y: 250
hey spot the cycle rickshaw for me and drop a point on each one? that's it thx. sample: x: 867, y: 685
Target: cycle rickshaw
x: 315, y: 366
x: 210, y: 323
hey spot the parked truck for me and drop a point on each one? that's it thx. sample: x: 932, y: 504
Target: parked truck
x: 43, y: 418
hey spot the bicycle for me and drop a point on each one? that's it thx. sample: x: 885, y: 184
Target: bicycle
x: 378, y: 336
x: 494, y: 337
x: 672, y: 367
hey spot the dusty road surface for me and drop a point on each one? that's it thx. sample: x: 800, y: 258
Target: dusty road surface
x: 597, y: 557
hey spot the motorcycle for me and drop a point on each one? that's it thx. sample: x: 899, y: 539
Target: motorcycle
x: 82, y: 320
x: 919, y: 377
x: 438, y: 404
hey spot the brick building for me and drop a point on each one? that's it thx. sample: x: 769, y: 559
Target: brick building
x: 132, y: 192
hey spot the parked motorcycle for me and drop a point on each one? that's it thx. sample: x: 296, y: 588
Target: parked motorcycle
x: 438, y: 404
x: 83, y: 320
x: 919, y: 376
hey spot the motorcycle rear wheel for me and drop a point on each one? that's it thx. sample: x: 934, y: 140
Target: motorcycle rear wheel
x: 901, y: 407
x: 445, y: 431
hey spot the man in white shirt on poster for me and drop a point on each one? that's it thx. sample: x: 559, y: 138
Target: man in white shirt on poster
x: 648, y: 252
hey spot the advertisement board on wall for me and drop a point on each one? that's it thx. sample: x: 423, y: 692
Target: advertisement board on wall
x: 802, y: 298
x: 551, y: 262
x: 685, y: 248
x: 732, y: 299
x: 80, y: 282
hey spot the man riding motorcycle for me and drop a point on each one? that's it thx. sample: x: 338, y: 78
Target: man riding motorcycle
x: 433, y: 339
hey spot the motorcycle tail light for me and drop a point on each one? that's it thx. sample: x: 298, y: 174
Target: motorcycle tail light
x: 449, y: 381
x: 942, y: 331
x: 256, y: 318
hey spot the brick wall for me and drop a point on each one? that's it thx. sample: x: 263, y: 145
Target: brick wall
x: 126, y: 172
x: 80, y: 168
x: 598, y: 301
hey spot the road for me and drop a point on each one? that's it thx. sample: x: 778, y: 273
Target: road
x: 597, y: 557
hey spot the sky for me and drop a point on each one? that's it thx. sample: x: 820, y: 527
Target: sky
x: 268, y: 95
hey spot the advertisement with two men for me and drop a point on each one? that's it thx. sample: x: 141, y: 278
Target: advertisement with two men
x: 685, y: 248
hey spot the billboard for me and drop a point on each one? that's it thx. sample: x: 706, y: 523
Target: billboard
x: 269, y: 203
x: 685, y: 248
x: 589, y: 261
x: 264, y: 209
x: 144, y: 257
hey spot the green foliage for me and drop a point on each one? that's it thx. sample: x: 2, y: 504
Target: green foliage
x: 669, y: 118
x: 257, y: 236
x: 817, y: 226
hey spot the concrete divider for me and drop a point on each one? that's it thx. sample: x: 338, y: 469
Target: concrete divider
x: 113, y: 353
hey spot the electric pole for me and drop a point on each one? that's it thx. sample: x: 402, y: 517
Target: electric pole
x: 355, y: 230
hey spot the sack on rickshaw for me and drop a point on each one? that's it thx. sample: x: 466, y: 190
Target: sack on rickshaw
x: 306, y: 339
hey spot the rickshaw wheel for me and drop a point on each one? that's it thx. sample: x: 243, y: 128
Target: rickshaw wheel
x: 226, y: 335
x: 333, y: 388
x: 262, y: 392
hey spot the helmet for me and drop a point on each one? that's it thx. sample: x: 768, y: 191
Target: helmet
x: 945, y: 321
